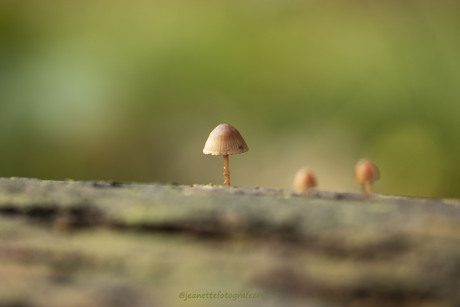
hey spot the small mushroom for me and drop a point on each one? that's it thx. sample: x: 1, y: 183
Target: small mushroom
x: 304, y: 180
x: 366, y: 173
x: 225, y: 140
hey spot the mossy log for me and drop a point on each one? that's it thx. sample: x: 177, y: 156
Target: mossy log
x: 68, y: 243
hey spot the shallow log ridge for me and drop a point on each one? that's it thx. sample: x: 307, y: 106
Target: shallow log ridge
x: 69, y: 243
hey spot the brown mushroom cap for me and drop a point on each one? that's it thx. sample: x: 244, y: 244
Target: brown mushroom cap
x: 366, y: 171
x: 225, y: 140
x: 304, y: 179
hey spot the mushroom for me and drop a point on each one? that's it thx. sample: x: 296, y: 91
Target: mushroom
x: 304, y: 180
x: 225, y: 140
x: 366, y: 173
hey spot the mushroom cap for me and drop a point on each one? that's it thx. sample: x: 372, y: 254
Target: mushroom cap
x: 224, y: 140
x: 304, y: 179
x: 366, y: 171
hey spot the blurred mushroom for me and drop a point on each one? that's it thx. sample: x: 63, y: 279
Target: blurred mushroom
x: 304, y: 180
x: 225, y: 140
x: 366, y: 173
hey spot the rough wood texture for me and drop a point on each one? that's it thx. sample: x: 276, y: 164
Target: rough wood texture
x: 108, y: 244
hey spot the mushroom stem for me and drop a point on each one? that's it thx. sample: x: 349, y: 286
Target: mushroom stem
x: 226, y: 171
x: 367, y: 187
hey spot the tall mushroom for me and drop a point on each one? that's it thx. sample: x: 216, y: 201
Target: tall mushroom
x: 366, y: 173
x: 225, y: 140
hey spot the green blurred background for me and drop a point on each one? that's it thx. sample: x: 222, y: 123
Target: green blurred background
x: 129, y: 91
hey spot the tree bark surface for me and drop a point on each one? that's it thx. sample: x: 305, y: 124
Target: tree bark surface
x: 69, y: 243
